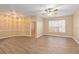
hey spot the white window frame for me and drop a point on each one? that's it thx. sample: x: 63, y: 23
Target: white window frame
x: 57, y: 25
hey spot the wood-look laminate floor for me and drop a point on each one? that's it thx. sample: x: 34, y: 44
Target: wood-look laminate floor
x: 42, y: 45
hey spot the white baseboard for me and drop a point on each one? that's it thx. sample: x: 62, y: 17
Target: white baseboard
x: 60, y: 36
x: 5, y: 37
x: 39, y: 36
x: 13, y: 36
x: 76, y: 41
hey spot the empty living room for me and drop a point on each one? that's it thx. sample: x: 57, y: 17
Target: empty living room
x: 39, y: 28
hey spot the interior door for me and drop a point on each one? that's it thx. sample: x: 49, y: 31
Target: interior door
x: 33, y: 29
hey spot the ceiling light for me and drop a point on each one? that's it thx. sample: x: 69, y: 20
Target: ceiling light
x: 52, y: 11
x: 49, y: 14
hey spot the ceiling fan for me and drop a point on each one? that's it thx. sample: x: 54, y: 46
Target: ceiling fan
x: 52, y: 11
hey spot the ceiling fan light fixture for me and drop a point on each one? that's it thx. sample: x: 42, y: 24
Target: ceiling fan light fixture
x: 49, y: 14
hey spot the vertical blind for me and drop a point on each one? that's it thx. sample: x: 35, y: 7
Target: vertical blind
x: 56, y: 25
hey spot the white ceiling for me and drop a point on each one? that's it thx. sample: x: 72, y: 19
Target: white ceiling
x: 39, y: 9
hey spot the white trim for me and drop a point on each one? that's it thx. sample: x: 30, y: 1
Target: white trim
x: 76, y: 41
x: 39, y: 36
x: 29, y: 35
x: 13, y: 36
x: 60, y: 35
x: 5, y: 37
x: 30, y: 29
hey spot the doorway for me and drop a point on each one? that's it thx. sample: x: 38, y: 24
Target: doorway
x: 33, y: 29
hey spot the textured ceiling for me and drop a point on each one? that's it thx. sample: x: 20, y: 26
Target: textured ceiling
x: 39, y: 9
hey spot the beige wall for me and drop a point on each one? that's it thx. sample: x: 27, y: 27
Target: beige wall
x: 69, y: 26
x: 20, y: 26
x: 39, y: 27
x: 11, y: 26
x: 76, y: 27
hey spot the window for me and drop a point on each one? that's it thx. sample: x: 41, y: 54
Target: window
x: 56, y: 25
